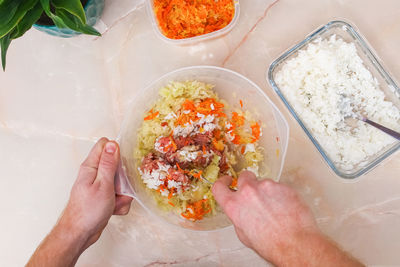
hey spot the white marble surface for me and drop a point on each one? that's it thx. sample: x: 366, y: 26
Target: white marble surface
x: 58, y: 96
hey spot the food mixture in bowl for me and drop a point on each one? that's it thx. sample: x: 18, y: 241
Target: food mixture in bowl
x: 325, y: 83
x: 187, y: 140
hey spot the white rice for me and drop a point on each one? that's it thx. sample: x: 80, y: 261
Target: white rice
x: 327, y: 81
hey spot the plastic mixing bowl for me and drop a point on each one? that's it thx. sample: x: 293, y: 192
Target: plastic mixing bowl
x: 230, y: 86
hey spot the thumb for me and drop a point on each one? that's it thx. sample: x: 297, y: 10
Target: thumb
x: 108, y: 163
x: 221, y: 190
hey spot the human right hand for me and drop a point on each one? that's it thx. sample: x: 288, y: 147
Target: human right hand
x: 271, y: 219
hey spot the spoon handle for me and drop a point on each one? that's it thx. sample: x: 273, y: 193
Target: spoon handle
x: 383, y: 128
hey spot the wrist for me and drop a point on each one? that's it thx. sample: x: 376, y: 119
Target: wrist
x: 311, y: 248
x: 61, y: 247
x: 299, y: 249
x: 71, y: 235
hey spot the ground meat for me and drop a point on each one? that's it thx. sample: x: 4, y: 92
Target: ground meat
x: 149, y: 163
x: 223, y: 166
x: 171, y: 157
x: 201, y: 161
x: 195, y: 143
x: 178, y: 176
x: 183, y: 141
x: 164, y: 145
x: 202, y: 139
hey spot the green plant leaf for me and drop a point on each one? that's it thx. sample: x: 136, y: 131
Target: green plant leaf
x: 27, y: 21
x: 75, y: 24
x: 7, y: 10
x: 72, y: 6
x: 56, y: 19
x: 4, y: 44
x: 46, y: 7
x: 23, y: 8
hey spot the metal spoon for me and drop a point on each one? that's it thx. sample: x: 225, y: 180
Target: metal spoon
x: 376, y: 125
x: 382, y: 128
x: 347, y: 103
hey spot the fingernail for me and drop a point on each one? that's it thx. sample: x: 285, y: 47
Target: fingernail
x: 111, y: 147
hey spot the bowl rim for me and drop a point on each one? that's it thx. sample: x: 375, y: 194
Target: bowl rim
x: 375, y: 61
x: 210, y: 67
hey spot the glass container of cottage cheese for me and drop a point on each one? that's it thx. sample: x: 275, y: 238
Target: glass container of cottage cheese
x: 333, y: 72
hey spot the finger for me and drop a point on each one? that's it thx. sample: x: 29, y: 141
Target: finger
x: 246, y: 177
x: 88, y: 169
x: 122, y: 205
x: 221, y: 190
x: 108, y: 164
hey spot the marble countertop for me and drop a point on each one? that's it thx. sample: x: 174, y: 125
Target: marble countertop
x: 58, y: 96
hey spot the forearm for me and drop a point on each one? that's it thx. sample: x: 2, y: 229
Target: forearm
x: 61, y: 247
x: 313, y: 249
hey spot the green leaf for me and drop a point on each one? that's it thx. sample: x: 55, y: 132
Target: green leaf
x: 4, y: 44
x: 72, y: 6
x: 27, y: 21
x: 19, y: 14
x: 56, y: 19
x: 46, y: 7
x: 75, y: 24
x: 7, y: 10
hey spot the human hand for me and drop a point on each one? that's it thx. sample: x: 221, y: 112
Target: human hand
x: 93, y: 199
x: 91, y: 204
x: 271, y: 219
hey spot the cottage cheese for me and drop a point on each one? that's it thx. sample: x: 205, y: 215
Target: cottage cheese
x: 326, y: 82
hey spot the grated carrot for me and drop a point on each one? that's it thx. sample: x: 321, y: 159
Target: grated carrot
x: 197, y: 175
x: 255, y: 131
x: 241, y: 103
x: 242, y: 150
x: 172, y: 204
x: 189, y: 111
x: 237, y: 119
x: 196, y: 210
x: 179, y: 167
x: 234, y: 182
x: 179, y: 19
x: 237, y: 140
x: 151, y: 116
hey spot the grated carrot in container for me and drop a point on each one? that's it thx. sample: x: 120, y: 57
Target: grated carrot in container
x: 180, y: 19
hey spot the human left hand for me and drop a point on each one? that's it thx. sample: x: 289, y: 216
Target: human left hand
x: 93, y: 200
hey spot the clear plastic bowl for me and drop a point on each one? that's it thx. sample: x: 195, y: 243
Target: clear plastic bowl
x: 230, y: 86
x: 191, y: 40
x: 387, y: 84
